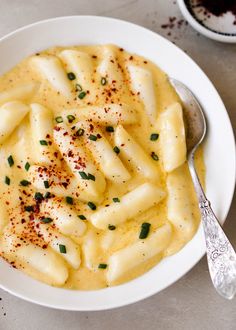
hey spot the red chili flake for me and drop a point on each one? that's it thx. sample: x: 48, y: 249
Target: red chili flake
x: 70, y: 153
x: 57, y: 128
x: 131, y: 58
x: 65, y: 184
x: 94, y: 56
x: 48, y: 136
x: 121, y: 49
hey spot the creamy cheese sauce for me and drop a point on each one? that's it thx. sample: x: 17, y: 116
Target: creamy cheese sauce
x: 14, y: 197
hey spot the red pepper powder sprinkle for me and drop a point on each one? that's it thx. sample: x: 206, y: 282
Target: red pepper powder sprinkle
x: 218, y: 7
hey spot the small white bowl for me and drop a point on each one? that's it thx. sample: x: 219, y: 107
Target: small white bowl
x: 219, y: 151
x: 216, y: 28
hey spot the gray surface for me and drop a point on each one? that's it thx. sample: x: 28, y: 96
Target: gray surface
x: 191, y: 303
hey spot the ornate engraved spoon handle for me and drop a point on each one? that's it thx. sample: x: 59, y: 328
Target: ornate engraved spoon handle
x: 221, y: 256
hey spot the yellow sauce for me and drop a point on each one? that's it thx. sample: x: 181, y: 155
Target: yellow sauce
x: 20, y: 147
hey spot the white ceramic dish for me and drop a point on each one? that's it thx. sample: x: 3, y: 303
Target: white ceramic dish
x: 219, y: 151
x: 217, y: 28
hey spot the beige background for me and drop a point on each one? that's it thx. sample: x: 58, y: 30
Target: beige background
x: 191, y: 303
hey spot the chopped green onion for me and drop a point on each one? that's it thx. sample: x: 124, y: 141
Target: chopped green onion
x: 38, y: 196
x: 92, y: 137
x: 83, y: 175
x: 78, y: 88
x: 69, y: 200
x: 71, y: 76
x: 92, y: 206
x: 110, y: 129
x: 111, y: 227
x: 70, y: 118
x: 102, y: 266
x: 43, y: 142
x: 62, y: 248
x: 7, y: 180
x: 91, y: 177
x: 46, y: 184
x: 154, y: 156
x: 29, y: 208
x: 10, y: 161
x: 59, y: 119
x: 103, y: 81
x: 47, y: 195
x: 27, y: 166
x: 82, y: 217
x: 82, y: 95
x: 24, y: 183
x: 154, y: 136
x: 80, y: 132
x: 116, y: 149
x: 144, y: 230
x: 116, y: 200
x: 46, y: 220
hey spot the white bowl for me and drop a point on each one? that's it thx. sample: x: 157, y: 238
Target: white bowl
x: 216, y: 28
x: 219, y: 151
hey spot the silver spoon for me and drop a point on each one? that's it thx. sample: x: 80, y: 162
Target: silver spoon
x: 221, y: 256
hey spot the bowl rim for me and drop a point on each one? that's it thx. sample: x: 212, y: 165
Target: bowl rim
x: 139, y: 296
x: 202, y: 29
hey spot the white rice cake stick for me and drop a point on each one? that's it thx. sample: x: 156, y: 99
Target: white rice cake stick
x: 22, y: 92
x: 133, y: 152
x: 11, y: 114
x: 128, y: 258
x: 133, y: 203
x: 64, y: 217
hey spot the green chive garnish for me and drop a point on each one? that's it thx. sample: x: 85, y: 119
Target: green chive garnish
x: 91, y: 177
x: 69, y: 200
x: 38, y: 196
x: 46, y: 220
x: 24, y: 183
x: 82, y: 95
x: 62, y: 248
x: 71, y: 76
x: 46, y: 184
x: 83, y: 175
x: 92, y: 206
x: 111, y: 227
x: 29, y: 208
x: 70, y: 118
x: 80, y: 132
x: 154, y: 156
x: 103, y: 81
x: 43, y: 142
x: 78, y: 88
x: 82, y: 217
x: 102, y: 266
x: 154, y: 136
x: 110, y: 129
x: 92, y: 137
x: 116, y: 200
x: 10, y: 161
x: 144, y: 230
x: 59, y: 119
x: 27, y: 166
x: 7, y: 180
x: 116, y: 149
x: 47, y: 195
